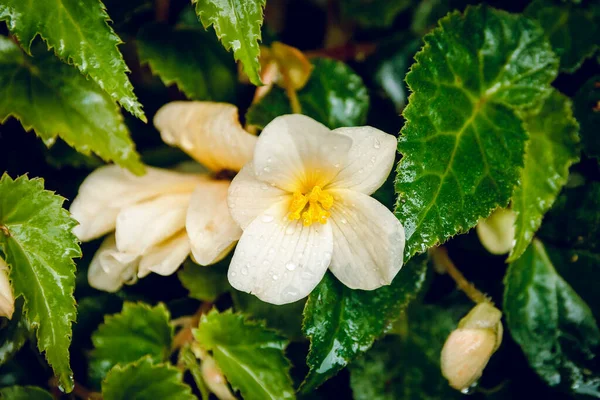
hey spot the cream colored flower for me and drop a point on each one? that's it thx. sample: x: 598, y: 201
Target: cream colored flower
x: 304, y: 206
x: 497, y: 232
x: 7, y: 299
x: 161, y: 217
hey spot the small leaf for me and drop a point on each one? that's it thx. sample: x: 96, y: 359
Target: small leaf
x: 39, y: 247
x: 24, y: 393
x: 251, y: 356
x: 80, y: 35
x: 204, y: 283
x: 174, y: 55
x: 554, y: 327
x: 343, y: 323
x: 551, y: 150
x: 237, y: 24
x: 587, y: 112
x: 373, y: 13
x: 55, y: 100
x: 14, y: 334
x: 143, y: 380
x: 463, y: 142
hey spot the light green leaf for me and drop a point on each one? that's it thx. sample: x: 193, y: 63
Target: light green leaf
x: 80, y: 35
x: 36, y: 239
x: 343, y: 323
x: 24, y: 393
x: 14, y: 334
x: 587, y: 105
x: 554, y: 327
x: 143, y: 380
x: 373, y: 13
x: 334, y: 95
x: 463, y: 142
x: 237, y: 24
x: 138, y: 330
x: 551, y: 150
x: 55, y: 100
x: 205, y: 283
x: 573, y: 29
x: 189, y: 361
x: 251, y: 356
x: 175, y: 56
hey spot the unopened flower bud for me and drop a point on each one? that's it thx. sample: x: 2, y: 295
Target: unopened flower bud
x: 7, y: 299
x: 497, y: 232
x: 214, y: 379
x: 469, y: 347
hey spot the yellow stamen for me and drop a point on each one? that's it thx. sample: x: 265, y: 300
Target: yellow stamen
x: 312, y: 206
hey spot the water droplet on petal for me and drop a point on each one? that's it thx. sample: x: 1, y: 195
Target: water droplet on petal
x: 267, y: 218
x: 373, y: 160
x: 290, y: 229
x: 290, y: 266
x: 233, y: 274
x: 360, y: 171
x: 266, y: 169
x: 271, y: 251
x: 344, y: 221
x: 264, y: 186
x: 275, y: 277
x: 376, y: 143
x: 269, y: 160
x: 245, y: 269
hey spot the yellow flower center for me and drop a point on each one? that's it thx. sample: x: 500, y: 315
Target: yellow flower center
x: 312, y: 207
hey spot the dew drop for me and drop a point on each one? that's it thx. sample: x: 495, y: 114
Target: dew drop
x: 275, y: 277
x: 290, y: 229
x: 290, y: 266
x: 267, y: 169
x: 344, y: 221
x: 360, y: 171
x: 245, y: 269
x: 269, y: 160
x: 267, y: 218
x: 264, y: 186
x: 271, y: 251
x: 373, y: 160
x: 336, y: 165
x: 377, y: 143
x: 233, y: 274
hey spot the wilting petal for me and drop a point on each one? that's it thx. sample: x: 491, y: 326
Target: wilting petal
x: 370, y: 159
x: 145, y: 225
x: 368, y: 241
x: 295, y: 153
x: 110, y: 269
x: 278, y: 260
x: 209, y: 132
x: 7, y: 299
x: 107, y: 190
x: 248, y: 197
x: 209, y: 224
x: 165, y: 257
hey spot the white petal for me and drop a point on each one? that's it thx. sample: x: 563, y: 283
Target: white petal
x: 7, y: 299
x: 110, y: 269
x: 109, y: 189
x: 166, y: 257
x: 368, y: 241
x: 370, y: 159
x: 209, y: 132
x: 497, y: 232
x: 144, y: 225
x: 295, y: 152
x: 209, y: 224
x: 248, y: 197
x: 278, y: 260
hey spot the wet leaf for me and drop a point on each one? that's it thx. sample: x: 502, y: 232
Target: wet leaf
x: 24, y: 393
x: 205, y: 283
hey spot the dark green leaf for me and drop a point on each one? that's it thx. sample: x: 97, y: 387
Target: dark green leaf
x: 14, y: 334
x: 36, y: 239
x: 373, y: 13
x: 24, y: 393
x: 587, y: 112
x: 463, y: 142
x: 343, y: 323
x: 205, y: 283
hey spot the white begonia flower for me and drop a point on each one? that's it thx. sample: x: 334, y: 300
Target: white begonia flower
x: 161, y: 217
x: 304, y: 205
x: 7, y: 298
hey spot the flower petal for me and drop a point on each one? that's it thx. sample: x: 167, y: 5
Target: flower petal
x: 107, y: 190
x: 166, y: 257
x: 368, y: 241
x: 209, y: 132
x: 209, y: 224
x: 144, y: 225
x: 278, y: 260
x: 110, y: 269
x: 370, y: 159
x: 248, y: 197
x: 7, y: 299
x: 295, y: 153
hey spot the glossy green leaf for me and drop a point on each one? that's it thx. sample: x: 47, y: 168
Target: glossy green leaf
x: 251, y: 356
x: 554, y: 327
x: 587, y: 112
x: 334, y: 95
x: 428, y: 12
x: 205, y: 283
x: 36, y: 239
x: 463, y: 142
x: 551, y: 150
x: 189, y: 361
x: 174, y: 55
x: 573, y: 29
x: 373, y: 13
x: 343, y: 323
x: 14, y: 333
x: 79, y: 34
x: 237, y: 24
x: 24, y: 393
x: 143, y: 380
x: 55, y: 100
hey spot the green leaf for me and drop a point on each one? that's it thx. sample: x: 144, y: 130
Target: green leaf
x: 551, y: 150
x: 55, y: 100
x: 587, y: 104
x: 36, y: 239
x: 373, y: 13
x: 24, y: 393
x: 14, y: 334
x: 205, y: 283
x: 173, y: 55
x: 573, y: 29
x: 138, y: 330
x: 143, y: 380
x: 554, y: 327
x: 189, y: 361
x: 334, y: 95
x: 343, y: 323
x: 237, y: 24
x: 251, y: 356
x: 463, y: 142
x: 80, y: 35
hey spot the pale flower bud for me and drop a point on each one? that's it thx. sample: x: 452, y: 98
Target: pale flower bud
x: 469, y: 347
x: 7, y: 300
x: 497, y: 232
x: 214, y: 379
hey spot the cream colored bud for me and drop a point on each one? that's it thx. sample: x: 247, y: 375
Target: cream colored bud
x: 497, y: 232
x: 469, y: 347
x: 214, y: 379
x: 7, y: 299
